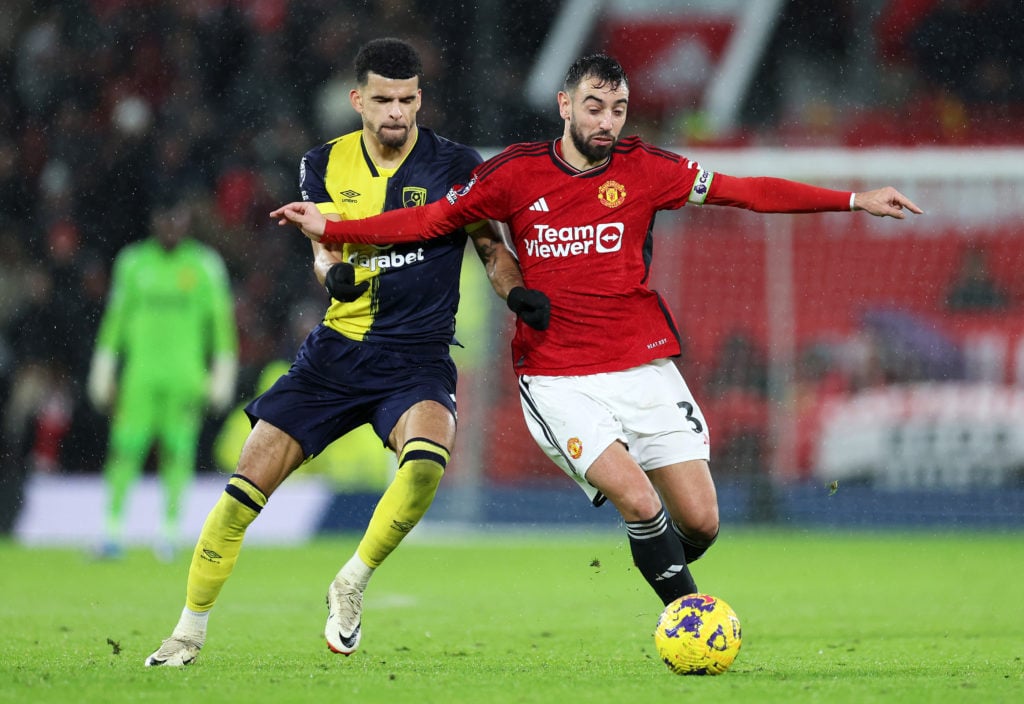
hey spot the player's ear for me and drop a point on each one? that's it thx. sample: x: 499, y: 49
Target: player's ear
x: 357, y: 100
x: 564, y: 105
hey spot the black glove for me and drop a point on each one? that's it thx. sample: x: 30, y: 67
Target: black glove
x: 531, y: 305
x: 341, y: 283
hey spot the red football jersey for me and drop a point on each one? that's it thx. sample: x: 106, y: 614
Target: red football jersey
x: 584, y: 239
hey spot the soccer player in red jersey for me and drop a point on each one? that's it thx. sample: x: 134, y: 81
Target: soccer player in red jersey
x: 599, y: 391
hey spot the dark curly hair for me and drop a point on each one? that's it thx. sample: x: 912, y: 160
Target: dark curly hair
x: 600, y: 66
x: 388, y: 57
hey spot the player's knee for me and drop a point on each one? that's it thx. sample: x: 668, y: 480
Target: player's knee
x: 706, y: 536
x: 702, y: 527
x: 637, y: 504
x: 698, y: 539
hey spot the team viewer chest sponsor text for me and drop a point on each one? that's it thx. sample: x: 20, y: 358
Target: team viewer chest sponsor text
x: 549, y: 241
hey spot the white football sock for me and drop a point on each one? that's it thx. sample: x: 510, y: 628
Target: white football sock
x: 356, y: 572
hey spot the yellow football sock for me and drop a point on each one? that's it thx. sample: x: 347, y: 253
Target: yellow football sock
x: 406, y: 500
x: 221, y: 540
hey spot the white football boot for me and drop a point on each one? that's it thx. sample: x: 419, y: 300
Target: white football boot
x: 344, y: 617
x: 176, y: 651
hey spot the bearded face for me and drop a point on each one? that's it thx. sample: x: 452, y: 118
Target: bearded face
x: 594, y: 114
x: 595, y: 147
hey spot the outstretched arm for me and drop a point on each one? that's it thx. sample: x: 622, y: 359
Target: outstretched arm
x: 885, y: 202
x: 423, y: 222
x: 766, y: 194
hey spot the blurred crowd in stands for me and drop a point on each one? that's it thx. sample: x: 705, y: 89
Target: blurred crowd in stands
x: 885, y: 72
x: 109, y: 105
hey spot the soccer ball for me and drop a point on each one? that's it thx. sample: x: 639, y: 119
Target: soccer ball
x: 698, y: 634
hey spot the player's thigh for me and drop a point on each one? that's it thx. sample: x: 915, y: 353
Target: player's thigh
x: 268, y: 456
x: 425, y: 419
x: 419, y: 401
x: 567, y: 421
x: 660, y: 414
x: 179, y: 426
x: 689, y: 494
x: 134, y: 423
x: 618, y: 476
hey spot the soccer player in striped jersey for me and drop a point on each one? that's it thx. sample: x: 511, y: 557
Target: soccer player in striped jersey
x: 380, y: 356
x: 598, y: 389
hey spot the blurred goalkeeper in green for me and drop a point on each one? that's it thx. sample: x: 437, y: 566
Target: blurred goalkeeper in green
x: 166, y: 351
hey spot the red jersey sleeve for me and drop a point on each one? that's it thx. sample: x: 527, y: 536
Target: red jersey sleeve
x: 764, y: 194
x: 395, y: 226
x: 463, y: 205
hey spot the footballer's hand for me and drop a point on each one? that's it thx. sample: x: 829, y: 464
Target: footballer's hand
x: 341, y: 282
x: 306, y: 215
x: 885, y: 202
x: 220, y: 386
x: 531, y: 305
x: 101, y: 386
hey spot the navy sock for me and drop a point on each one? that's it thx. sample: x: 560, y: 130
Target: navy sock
x: 693, y: 548
x: 660, y: 557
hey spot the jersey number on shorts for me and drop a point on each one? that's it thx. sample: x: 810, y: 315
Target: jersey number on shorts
x: 698, y: 427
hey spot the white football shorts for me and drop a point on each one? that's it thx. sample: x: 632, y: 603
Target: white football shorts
x: 648, y: 408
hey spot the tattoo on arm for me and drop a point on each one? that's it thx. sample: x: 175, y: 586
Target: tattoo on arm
x: 499, y: 263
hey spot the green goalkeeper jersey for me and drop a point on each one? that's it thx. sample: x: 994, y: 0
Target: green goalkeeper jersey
x: 169, y: 313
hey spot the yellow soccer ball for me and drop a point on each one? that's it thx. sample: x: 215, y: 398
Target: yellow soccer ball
x: 698, y: 634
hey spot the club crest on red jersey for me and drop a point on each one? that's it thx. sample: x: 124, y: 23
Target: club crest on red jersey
x: 575, y: 448
x: 611, y: 194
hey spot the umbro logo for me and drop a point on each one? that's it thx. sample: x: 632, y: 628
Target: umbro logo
x: 540, y: 205
x: 349, y: 195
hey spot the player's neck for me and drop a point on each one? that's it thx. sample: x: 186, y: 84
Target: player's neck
x: 388, y: 157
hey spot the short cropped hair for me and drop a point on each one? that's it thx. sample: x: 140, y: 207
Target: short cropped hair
x: 388, y: 57
x: 604, y: 68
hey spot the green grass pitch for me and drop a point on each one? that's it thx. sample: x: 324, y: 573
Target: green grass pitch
x: 827, y: 617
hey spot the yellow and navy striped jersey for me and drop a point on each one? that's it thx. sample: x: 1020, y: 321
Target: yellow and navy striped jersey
x: 414, y: 288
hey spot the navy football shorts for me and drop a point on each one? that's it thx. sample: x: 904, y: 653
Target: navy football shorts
x: 336, y: 384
